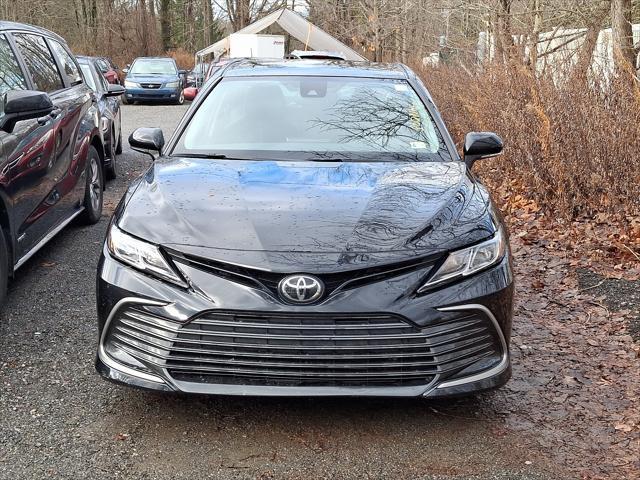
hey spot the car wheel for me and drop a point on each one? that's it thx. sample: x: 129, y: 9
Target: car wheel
x: 180, y: 99
x: 94, y: 188
x: 111, y: 168
x: 4, y: 268
x: 125, y: 101
x: 119, y: 146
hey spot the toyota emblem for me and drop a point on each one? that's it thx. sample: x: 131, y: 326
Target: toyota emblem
x: 301, y: 288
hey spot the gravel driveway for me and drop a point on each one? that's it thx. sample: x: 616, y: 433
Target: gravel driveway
x: 58, y: 419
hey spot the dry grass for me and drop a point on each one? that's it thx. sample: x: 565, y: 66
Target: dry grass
x: 574, y: 149
x: 183, y: 58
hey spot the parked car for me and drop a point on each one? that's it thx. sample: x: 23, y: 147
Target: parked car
x: 154, y: 79
x: 110, y: 71
x: 191, y: 91
x: 309, y: 229
x: 51, y: 161
x: 215, y: 66
x: 195, y: 78
x: 109, y: 109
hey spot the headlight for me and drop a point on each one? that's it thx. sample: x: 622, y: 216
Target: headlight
x: 130, y: 84
x: 468, y: 261
x: 172, y: 84
x: 141, y: 255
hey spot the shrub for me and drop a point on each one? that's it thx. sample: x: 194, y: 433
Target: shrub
x: 183, y: 58
x: 572, y: 148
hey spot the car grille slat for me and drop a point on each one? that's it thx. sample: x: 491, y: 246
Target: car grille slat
x: 293, y: 349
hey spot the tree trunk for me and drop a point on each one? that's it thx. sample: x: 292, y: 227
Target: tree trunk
x: 142, y: 12
x: 585, y: 55
x: 503, y: 38
x: 623, y: 51
x: 165, y: 24
x: 534, y: 36
x: 239, y: 13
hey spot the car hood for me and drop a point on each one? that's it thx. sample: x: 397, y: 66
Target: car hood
x: 152, y: 78
x: 275, y: 214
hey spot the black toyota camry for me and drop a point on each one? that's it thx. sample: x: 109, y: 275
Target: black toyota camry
x: 308, y: 230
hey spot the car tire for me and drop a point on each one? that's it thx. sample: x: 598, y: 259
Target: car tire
x: 125, y: 101
x: 4, y: 268
x: 180, y: 99
x: 111, y: 168
x: 119, y: 146
x: 93, y: 189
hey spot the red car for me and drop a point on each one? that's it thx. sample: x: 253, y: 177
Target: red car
x: 108, y: 70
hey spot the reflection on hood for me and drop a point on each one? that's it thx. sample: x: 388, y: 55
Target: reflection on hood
x: 268, y: 212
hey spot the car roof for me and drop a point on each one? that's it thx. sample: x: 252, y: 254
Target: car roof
x: 327, y: 68
x: 24, y: 27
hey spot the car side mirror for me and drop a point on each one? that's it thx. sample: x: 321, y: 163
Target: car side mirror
x: 114, y: 90
x: 125, y: 70
x: 147, y: 140
x: 23, y: 105
x: 182, y: 72
x: 479, y: 145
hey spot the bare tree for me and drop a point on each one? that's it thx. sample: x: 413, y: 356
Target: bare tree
x: 624, y: 53
x: 243, y: 12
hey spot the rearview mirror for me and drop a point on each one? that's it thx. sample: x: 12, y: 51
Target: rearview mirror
x: 182, y: 72
x: 145, y: 139
x: 479, y: 145
x: 23, y: 105
x: 114, y: 90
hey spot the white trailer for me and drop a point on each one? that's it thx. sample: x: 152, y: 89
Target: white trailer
x: 256, y: 46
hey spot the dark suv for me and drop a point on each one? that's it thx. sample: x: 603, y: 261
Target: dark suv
x: 51, y: 157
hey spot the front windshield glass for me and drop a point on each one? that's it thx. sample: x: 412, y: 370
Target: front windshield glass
x: 88, y: 76
x: 150, y: 66
x: 313, y: 118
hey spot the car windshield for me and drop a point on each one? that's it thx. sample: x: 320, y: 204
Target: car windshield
x: 88, y: 77
x: 313, y: 118
x: 148, y: 66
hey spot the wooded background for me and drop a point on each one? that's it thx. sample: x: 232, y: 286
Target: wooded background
x: 403, y: 30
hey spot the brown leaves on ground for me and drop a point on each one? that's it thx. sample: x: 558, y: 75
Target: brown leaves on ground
x: 576, y: 383
x: 604, y: 242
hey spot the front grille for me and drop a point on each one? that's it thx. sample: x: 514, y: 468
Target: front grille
x: 151, y: 85
x: 305, y: 349
x: 333, y: 282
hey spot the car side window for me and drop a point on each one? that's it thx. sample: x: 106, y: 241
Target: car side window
x: 11, y: 76
x: 71, y: 70
x: 40, y: 62
x: 102, y: 65
x: 103, y: 82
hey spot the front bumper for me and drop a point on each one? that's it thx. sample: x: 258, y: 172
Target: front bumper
x: 144, y: 324
x: 152, y: 94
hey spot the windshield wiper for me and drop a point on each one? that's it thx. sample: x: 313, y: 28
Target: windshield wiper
x: 323, y: 159
x: 212, y: 156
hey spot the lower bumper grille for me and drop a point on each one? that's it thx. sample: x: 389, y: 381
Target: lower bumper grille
x: 292, y: 349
